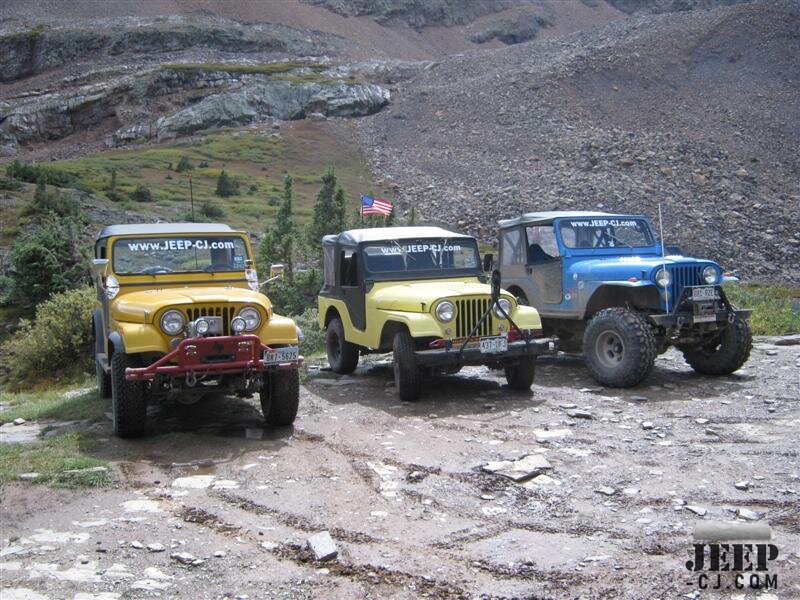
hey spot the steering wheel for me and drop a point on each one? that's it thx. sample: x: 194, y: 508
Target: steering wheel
x: 155, y: 269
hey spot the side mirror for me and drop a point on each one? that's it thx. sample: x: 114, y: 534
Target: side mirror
x: 488, y: 261
x: 276, y: 270
x: 99, y: 266
x: 495, y: 285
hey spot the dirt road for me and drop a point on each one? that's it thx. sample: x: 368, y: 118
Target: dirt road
x: 210, y: 505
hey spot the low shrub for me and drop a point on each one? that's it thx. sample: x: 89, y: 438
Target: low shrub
x: 212, y: 212
x: 296, y: 296
x: 142, y: 194
x: 60, y: 339
x: 313, y: 337
x: 774, y: 311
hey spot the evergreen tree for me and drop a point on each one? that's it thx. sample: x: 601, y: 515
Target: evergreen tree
x: 324, y: 210
x: 390, y: 220
x: 278, y: 245
x: 412, y: 216
x: 226, y: 185
x: 112, y: 187
x: 339, y: 221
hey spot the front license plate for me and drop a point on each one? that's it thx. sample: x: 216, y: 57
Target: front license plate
x: 706, y: 292
x: 281, y: 355
x: 494, y: 345
x: 705, y: 318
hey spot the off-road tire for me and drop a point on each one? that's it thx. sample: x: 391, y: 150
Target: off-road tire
x: 103, y: 380
x: 280, y: 405
x: 520, y: 377
x: 342, y: 355
x: 129, y: 406
x: 726, y: 354
x: 407, y: 375
x: 619, y: 347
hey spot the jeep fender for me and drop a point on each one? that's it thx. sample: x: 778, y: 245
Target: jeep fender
x: 115, y: 341
x: 99, y: 338
x: 419, y: 325
x: 641, y: 294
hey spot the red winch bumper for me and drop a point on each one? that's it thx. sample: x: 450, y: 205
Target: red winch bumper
x: 212, y: 356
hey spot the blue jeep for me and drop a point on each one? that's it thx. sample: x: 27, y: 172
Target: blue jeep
x: 602, y: 285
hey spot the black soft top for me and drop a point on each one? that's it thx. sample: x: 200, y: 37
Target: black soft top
x: 163, y: 228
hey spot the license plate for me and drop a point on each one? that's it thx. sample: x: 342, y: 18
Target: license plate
x: 705, y: 318
x: 494, y: 345
x: 706, y: 292
x: 281, y: 355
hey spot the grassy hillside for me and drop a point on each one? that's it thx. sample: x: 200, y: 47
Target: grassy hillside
x: 258, y: 157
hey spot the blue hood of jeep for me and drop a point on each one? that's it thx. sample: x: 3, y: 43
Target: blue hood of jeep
x: 622, y: 268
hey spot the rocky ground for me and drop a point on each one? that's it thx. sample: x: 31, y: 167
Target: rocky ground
x: 693, y: 111
x: 210, y: 504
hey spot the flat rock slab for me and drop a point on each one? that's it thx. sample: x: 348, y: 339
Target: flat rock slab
x: 323, y: 546
x: 194, y: 482
x: 26, y: 433
x: 523, y: 469
x: 543, y: 435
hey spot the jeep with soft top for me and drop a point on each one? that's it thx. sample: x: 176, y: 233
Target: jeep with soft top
x: 605, y: 286
x: 421, y: 293
x: 179, y: 314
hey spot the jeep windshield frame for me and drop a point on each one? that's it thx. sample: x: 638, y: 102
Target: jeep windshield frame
x: 613, y: 234
x: 420, y: 258
x: 179, y: 254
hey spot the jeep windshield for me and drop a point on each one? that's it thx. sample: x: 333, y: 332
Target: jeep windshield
x: 179, y: 254
x: 426, y: 257
x: 621, y: 232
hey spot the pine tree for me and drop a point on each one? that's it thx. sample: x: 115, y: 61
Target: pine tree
x: 339, y: 217
x: 325, y: 210
x: 278, y: 245
x: 389, y: 221
x: 226, y: 185
x: 412, y: 216
x: 112, y: 187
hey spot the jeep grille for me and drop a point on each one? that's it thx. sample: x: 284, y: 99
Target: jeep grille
x: 225, y: 312
x: 683, y: 276
x: 469, y: 313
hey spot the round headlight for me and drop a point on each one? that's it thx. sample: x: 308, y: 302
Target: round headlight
x: 446, y: 311
x: 251, y: 317
x: 710, y: 274
x: 238, y: 324
x: 172, y: 322
x: 505, y: 304
x: 202, y: 326
x: 663, y: 278
x: 112, y: 287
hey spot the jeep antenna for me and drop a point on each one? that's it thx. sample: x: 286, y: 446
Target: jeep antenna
x: 663, y: 259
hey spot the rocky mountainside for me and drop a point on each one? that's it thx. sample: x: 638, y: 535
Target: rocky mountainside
x: 697, y: 112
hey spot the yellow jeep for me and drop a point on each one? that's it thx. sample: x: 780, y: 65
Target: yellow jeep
x: 179, y: 314
x: 421, y: 292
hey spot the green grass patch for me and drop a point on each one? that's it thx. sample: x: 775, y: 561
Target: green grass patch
x: 51, y: 458
x: 773, y: 307
x: 28, y: 34
x: 259, y: 69
x: 257, y: 158
x: 59, y: 404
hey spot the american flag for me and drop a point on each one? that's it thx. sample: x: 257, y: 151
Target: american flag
x: 375, y: 206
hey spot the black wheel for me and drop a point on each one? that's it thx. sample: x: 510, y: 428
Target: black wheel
x: 280, y: 404
x: 520, y: 377
x: 342, y: 355
x: 619, y: 347
x: 103, y: 380
x: 128, y: 402
x: 727, y: 353
x: 407, y: 375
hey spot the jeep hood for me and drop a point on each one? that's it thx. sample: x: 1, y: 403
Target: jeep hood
x: 410, y: 296
x: 141, y: 307
x: 623, y: 267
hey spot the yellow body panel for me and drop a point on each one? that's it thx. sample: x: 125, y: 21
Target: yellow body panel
x: 412, y: 303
